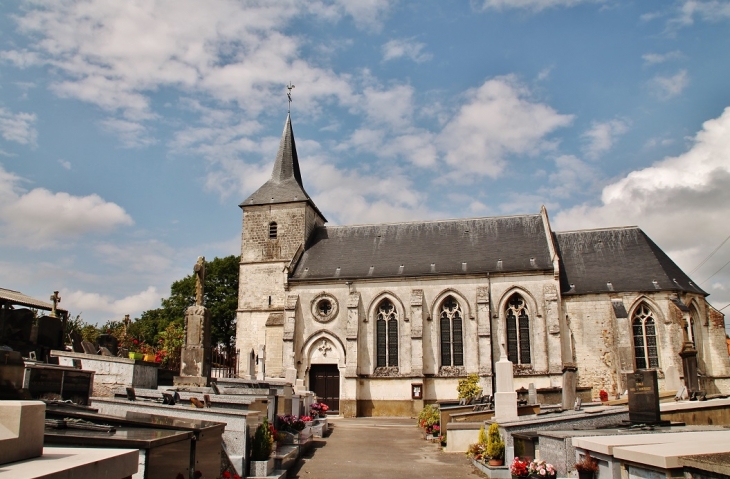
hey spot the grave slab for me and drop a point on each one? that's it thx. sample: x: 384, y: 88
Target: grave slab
x: 75, y: 463
x: 21, y: 430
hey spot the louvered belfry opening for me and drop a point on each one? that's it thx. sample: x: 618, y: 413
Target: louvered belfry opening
x: 387, y: 335
x: 518, y: 330
x: 451, y: 325
x: 273, y: 230
x: 645, y: 345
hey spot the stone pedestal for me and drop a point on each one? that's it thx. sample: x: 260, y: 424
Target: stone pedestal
x: 21, y: 430
x: 689, y: 367
x: 196, y: 354
x: 505, y: 399
x: 570, y: 382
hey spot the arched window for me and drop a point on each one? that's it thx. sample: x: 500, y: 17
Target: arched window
x: 452, y: 342
x: 272, y: 230
x: 518, y: 330
x: 387, y: 335
x: 645, y: 346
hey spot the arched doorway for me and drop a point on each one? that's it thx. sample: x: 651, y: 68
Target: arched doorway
x: 324, y: 371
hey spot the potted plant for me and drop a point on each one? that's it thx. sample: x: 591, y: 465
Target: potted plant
x: 318, y: 409
x: 468, y: 388
x: 495, y: 446
x: 519, y: 468
x: 263, y: 442
x: 428, y: 419
x: 542, y: 470
x: 587, y: 466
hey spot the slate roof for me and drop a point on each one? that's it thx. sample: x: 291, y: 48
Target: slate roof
x: 426, y: 248
x: 285, y: 184
x: 20, y: 299
x: 624, y: 257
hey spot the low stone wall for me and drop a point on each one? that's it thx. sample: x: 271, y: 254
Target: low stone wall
x: 111, y: 372
x: 698, y: 413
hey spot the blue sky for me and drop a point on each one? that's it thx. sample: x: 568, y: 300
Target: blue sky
x: 130, y: 131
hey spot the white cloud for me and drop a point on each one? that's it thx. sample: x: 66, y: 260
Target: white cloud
x: 570, y: 177
x: 18, y: 127
x: 533, y: 5
x: 709, y: 11
x: 656, y: 58
x: 393, y: 107
x: 681, y: 202
x: 499, y: 119
x: 668, y: 87
x: 601, y: 136
x: 64, y: 163
x: 40, y: 217
x: 95, y: 304
x: 116, y: 55
x: 132, y: 134
x: 408, y: 48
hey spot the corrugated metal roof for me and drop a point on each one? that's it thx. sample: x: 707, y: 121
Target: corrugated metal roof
x: 18, y: 298
x: 445, y: 247
x: 617, y: 260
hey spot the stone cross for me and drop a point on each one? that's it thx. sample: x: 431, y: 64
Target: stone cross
x: 199, y: 269
x: 56, y: 299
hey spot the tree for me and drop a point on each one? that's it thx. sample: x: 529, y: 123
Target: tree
x: 221, y: 299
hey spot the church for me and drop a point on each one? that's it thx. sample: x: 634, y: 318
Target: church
x: 370, y: 317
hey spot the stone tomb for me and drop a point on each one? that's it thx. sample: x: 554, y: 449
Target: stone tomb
x: 22, y: 453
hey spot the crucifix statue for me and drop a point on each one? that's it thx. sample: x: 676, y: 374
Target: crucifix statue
x: 56, y: 299
x: 288, y: 94
x: 199, y: 269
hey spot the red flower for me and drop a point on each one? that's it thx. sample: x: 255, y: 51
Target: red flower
x: 135, y: 341
x: 226, y: 475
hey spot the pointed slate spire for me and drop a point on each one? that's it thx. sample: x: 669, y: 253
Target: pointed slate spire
x: 285, y: 184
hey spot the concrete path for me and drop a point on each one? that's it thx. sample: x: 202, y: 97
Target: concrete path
x: 371, y: 448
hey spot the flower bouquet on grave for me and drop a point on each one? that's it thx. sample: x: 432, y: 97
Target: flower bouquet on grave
x: 542, y: 470
x: 477, y: 451
x: 290, y: 423
x: 519, y: 468
x: 318, y: 409
x: 587, y: 466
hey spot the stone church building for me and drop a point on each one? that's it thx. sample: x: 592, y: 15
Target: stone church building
x: 362, y: 313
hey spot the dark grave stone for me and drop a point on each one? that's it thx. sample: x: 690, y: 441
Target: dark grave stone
x: 644, y: 397
x: 50, y: 332
x: 89, y: 348
x: 108, y: 341
x: 76, y: 342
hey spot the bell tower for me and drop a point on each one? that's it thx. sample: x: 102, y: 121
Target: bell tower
x: 278, y: 219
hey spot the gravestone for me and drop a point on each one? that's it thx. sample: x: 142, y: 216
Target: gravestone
x: 89, y: 347
x: 531, y: 394
x: 644, y: 398
x: 261, y: 373
x: 109, y: 342
x: 672, y: 380
x: 505, y: 399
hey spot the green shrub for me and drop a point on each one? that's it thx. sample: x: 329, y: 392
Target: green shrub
x: 469, y: 387
x: 483, y: 440
x: 262, y: 442
x: 495, y: 444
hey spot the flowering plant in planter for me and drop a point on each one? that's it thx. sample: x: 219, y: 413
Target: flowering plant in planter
x: 542, y: 469
x: 476, y: 451
x: 290, y: 423
x: 428, y: 417
x: 519, y: 468
x: 318, y: 408
x: 305, y: 418
x: 587, y: 466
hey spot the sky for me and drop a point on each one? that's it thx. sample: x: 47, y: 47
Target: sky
x: 130, y: 131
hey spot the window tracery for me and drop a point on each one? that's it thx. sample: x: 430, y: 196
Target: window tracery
x: 387, y: 335
x: 451, y: 325
x: 518, y: 330
x: 645, y: 343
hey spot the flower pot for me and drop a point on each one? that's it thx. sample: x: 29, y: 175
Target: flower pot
x: 149, y: 357
x: 496, y: 462
x: 586, y: 475
x: 261, y: 468
x: 136, y: 356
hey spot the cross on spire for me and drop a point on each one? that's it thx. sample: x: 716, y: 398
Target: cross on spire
x: 56, y: 299
x: 288, y: 95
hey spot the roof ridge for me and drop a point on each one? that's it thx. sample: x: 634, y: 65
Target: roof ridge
x: 442, y: 220
x: 610, y: 228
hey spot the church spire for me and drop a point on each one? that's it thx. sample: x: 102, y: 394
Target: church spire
x: 285, y: 184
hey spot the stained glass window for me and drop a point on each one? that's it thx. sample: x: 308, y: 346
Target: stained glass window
x: 646, y: 352
x: 386, y: 343
x: 451, y: 325
x: 518, y: 331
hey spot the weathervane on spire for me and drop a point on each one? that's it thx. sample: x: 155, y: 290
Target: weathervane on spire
x: 288, y: 94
